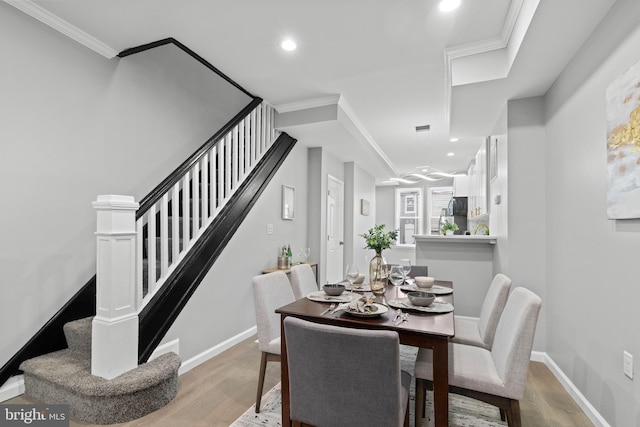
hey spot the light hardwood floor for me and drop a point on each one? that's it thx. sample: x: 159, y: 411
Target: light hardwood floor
x: 220, y: 390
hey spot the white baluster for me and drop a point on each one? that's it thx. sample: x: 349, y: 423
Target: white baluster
x: 175, y: 221
x: 234, y: 158
x: 186, y: 215
x: 195, y: 198
x: 164, y: 235
x: 151, y: 250
x: 227, y: 166
x: 204, y: 167
x: 254, y: 136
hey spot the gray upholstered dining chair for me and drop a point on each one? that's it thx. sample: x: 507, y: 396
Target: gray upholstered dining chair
x: 479, y: 331
x: 417, y: 270
x: 496, y: 376
x: 270, y: 291
x: 345, y: 377
x: 303, y: 281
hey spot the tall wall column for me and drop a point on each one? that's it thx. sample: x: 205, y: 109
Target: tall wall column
x: 114, y: 345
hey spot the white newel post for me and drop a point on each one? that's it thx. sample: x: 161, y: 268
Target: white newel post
x: 114, y: 343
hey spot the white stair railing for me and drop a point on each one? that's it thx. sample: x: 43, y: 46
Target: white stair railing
x: 172, y: 225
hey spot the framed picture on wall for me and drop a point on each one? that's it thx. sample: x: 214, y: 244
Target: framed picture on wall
x: 288, y: 202
x: 493, y: 158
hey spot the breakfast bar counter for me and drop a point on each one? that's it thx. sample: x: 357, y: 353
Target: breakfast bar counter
x: 465, y: 260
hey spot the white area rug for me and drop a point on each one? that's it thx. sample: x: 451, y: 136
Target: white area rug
x: 463, y: 412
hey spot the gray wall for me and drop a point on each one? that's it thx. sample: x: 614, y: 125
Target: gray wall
x: 526, y: 243
x: 592, y: 277
x: 359, y: 184
x: 76, y: 125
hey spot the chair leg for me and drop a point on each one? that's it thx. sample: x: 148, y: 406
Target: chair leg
x: 263, y: 369
x: 420, y: 401
x: 406, y: 414
x: 513, y: 414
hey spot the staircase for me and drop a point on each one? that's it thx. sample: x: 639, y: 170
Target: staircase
x: 183, y: 225
x: 65, y: 377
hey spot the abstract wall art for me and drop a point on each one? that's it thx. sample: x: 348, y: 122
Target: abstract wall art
x: 623, y: 145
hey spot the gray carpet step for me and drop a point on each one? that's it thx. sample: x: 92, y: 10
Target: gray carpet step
x: 65, y: 377
x: 78, y: 335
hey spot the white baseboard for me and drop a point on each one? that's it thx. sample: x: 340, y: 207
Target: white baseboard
x: 214, y: 351
x: 168, y: 347
x: 573, y: 391
x: 12, y: 388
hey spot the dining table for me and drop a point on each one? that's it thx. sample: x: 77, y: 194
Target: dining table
x: 425, y: 330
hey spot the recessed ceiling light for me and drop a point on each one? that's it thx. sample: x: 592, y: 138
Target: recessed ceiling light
x: 288, y: 45
x: 454, y: 140
x: 450, y: 154
x: 448, y: 5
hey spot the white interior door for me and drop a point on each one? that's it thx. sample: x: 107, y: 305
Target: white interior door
x: 335, y: 229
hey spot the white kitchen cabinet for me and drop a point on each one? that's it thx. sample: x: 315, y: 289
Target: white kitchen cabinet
x: 461, y: 186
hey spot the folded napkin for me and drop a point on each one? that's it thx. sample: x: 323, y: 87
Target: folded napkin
x: 361, y: 305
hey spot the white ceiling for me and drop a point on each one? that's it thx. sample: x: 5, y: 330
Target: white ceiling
x: 384, y: 66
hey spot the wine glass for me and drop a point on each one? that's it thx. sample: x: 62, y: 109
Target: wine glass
x: 352, y: 274
x: 306, y: 252
x: 396, y: 276
x: 406, y: 267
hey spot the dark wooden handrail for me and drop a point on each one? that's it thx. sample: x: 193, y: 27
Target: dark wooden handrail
x: 195, y: 56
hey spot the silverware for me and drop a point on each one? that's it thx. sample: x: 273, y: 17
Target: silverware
x: 331, y: 307
x: 398, y: 314
x: 404, y: 317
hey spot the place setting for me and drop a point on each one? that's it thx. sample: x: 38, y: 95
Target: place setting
x: 419, y: 301
x: 426, y: 284
x: 333, y: 293
x: 361, y: 307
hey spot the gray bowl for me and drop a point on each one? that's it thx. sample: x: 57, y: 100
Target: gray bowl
x: 421, y: 299
x: 333, y: 290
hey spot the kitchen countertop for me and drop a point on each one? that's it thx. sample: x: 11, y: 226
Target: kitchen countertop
x: 456, y: 238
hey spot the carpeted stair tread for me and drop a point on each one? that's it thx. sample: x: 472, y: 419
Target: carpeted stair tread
x: 63, y: 377
x: 78, y: 335
x: 64, y: 368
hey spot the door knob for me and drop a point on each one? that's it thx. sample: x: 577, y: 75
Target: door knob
x: 341, y: 243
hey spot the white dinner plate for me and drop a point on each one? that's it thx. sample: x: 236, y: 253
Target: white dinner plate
x: 435, y: 307
x: 381, y: 310
x: 435, y: 289
x: 321, y: 296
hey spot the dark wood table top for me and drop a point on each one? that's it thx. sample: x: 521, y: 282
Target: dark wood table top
x: 419, y: 323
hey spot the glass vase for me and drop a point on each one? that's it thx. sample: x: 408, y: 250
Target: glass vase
x: 378, y: 274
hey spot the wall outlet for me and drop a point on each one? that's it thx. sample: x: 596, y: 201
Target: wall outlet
x: 269, y: 228
x: 628, y: 364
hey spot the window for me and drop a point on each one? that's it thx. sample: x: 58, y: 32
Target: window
x: 408, y: 214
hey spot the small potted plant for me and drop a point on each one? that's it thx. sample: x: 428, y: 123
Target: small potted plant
x: 448, y: 228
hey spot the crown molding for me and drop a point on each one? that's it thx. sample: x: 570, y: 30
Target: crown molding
x: 348, y: 111
x: 310, y: 103
x: 59, y: 24
x: 494, y: 43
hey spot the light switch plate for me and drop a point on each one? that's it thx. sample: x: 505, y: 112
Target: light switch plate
x: 269, y: 228
x: 628, y: 364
